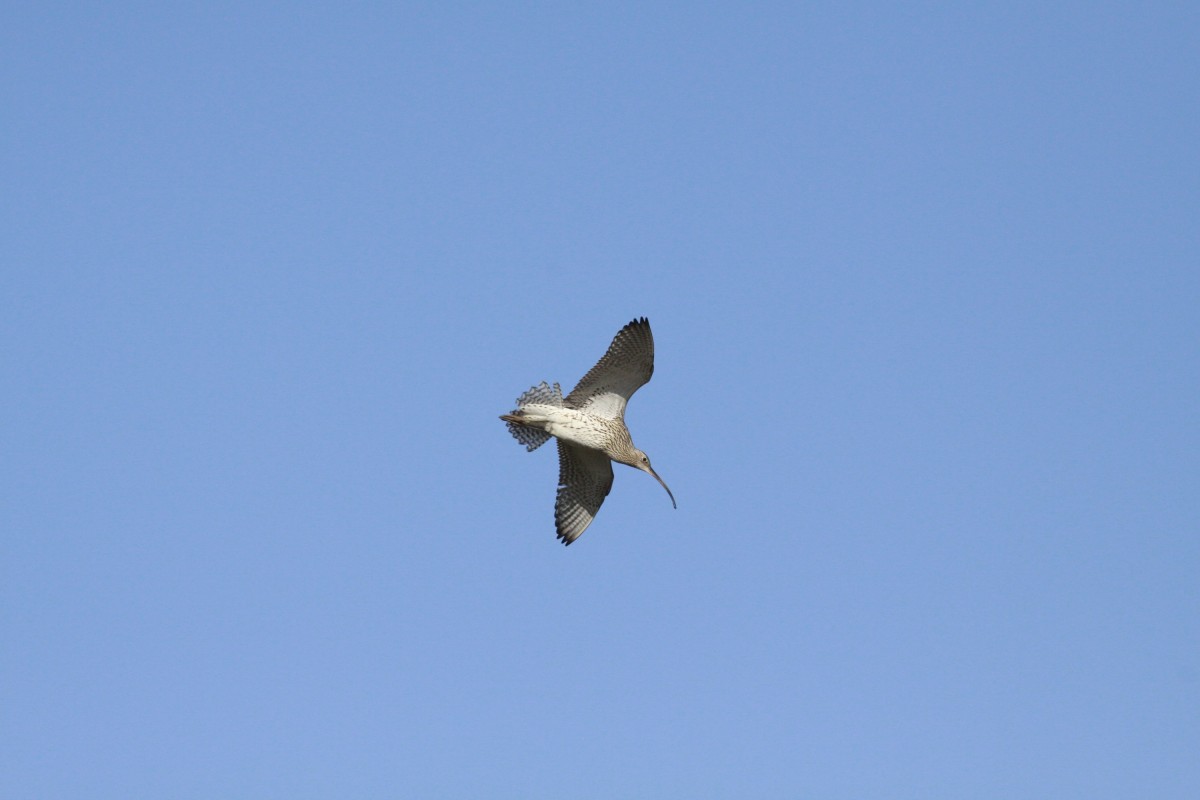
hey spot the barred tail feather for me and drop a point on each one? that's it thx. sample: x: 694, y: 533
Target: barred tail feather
x: 542, y: 393
x: 533, y: 438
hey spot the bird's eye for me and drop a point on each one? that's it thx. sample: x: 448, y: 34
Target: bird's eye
x: 645, y: 460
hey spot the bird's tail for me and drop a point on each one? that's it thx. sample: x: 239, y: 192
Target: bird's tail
x: 531, y: 437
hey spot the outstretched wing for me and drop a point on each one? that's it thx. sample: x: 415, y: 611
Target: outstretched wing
x: 585, y: 477
x: 624, y: 369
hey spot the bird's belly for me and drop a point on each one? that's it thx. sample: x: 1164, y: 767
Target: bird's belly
x: 568, y: 424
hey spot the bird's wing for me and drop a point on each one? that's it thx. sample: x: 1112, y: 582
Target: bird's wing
x: 585, y: 477
x: 624, y: 369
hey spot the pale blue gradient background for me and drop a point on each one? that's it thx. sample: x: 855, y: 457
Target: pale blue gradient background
x: 925, y: 282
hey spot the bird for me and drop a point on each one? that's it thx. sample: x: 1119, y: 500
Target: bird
x: 589, y: 424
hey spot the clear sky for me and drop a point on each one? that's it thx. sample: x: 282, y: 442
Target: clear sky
x: 925, y: 284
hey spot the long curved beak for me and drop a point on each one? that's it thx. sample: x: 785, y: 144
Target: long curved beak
x: 664, y: 485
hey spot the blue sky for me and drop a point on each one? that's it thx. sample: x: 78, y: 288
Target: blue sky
x: 925, y: 285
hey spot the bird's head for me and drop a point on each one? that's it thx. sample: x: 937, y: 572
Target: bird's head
x: 642, y: 461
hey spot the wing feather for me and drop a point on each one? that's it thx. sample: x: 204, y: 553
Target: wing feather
x: 585, y: 477
x: 625, y: 368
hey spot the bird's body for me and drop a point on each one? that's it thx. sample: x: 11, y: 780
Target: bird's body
x: 576, y: 427
x: 589, y: 424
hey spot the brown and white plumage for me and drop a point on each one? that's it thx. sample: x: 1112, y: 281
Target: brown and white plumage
x: 585, y: 477
x: 590, y: 426
x: 626, y: 367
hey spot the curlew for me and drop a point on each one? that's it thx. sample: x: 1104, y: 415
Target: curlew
x: 589, y: 424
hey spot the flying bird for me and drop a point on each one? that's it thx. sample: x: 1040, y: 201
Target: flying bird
x: 589, y: 424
